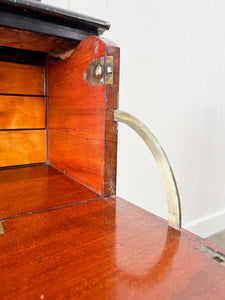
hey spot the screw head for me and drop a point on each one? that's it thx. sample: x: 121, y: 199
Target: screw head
x: 98, y: 71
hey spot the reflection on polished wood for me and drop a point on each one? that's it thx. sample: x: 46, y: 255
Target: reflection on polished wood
x: 103, y: 249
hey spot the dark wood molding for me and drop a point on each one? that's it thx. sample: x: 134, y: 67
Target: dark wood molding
x: 35, y: 26
x: 50, y: 19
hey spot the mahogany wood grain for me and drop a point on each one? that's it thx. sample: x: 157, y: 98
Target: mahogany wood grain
x: 79, y: 157
x: 31, y: 189
x: 22, y: 112
x: 23, y: 39
x: 21, y: 79
x: 104, y: 249
x: 77, y: 115
x: 22, y: 147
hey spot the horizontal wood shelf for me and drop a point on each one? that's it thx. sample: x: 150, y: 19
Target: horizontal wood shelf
x: 21, y: 95
x: 32, y: 189
x: 20, y: 55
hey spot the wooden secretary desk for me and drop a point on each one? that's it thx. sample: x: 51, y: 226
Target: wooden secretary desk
x: 63, y: 232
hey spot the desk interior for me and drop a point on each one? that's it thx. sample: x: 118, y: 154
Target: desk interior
x: 27, y: 190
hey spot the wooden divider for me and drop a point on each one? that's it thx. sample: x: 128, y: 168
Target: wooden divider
x: 82, y: 137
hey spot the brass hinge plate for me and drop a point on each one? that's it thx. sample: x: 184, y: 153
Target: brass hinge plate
x: 100, y: 71
x: 1, y: 229
x: 216, y: 256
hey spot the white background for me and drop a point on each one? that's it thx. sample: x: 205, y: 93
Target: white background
x: 173, y: 79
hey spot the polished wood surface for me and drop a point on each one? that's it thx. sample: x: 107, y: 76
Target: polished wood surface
x: 104, y: 249
x: 32, y: 189
x: 77, y: 119
x: 21, y: 79
x: 22, y: 147
x: 21, y: 112
x: 23, y: 39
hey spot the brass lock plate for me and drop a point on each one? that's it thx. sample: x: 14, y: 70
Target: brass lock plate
x: 218, y: 257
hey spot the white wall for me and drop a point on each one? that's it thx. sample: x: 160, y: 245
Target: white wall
x: 173, y: 79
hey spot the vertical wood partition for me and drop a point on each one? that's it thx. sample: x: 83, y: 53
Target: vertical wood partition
x: 82, y: 137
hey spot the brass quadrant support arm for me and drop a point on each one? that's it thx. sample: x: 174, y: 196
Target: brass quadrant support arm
x: 174, y: 209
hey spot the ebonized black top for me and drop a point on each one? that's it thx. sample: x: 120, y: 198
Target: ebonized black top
x: 39, y: 17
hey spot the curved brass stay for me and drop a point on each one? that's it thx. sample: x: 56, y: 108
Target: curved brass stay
x: 174, y: 207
